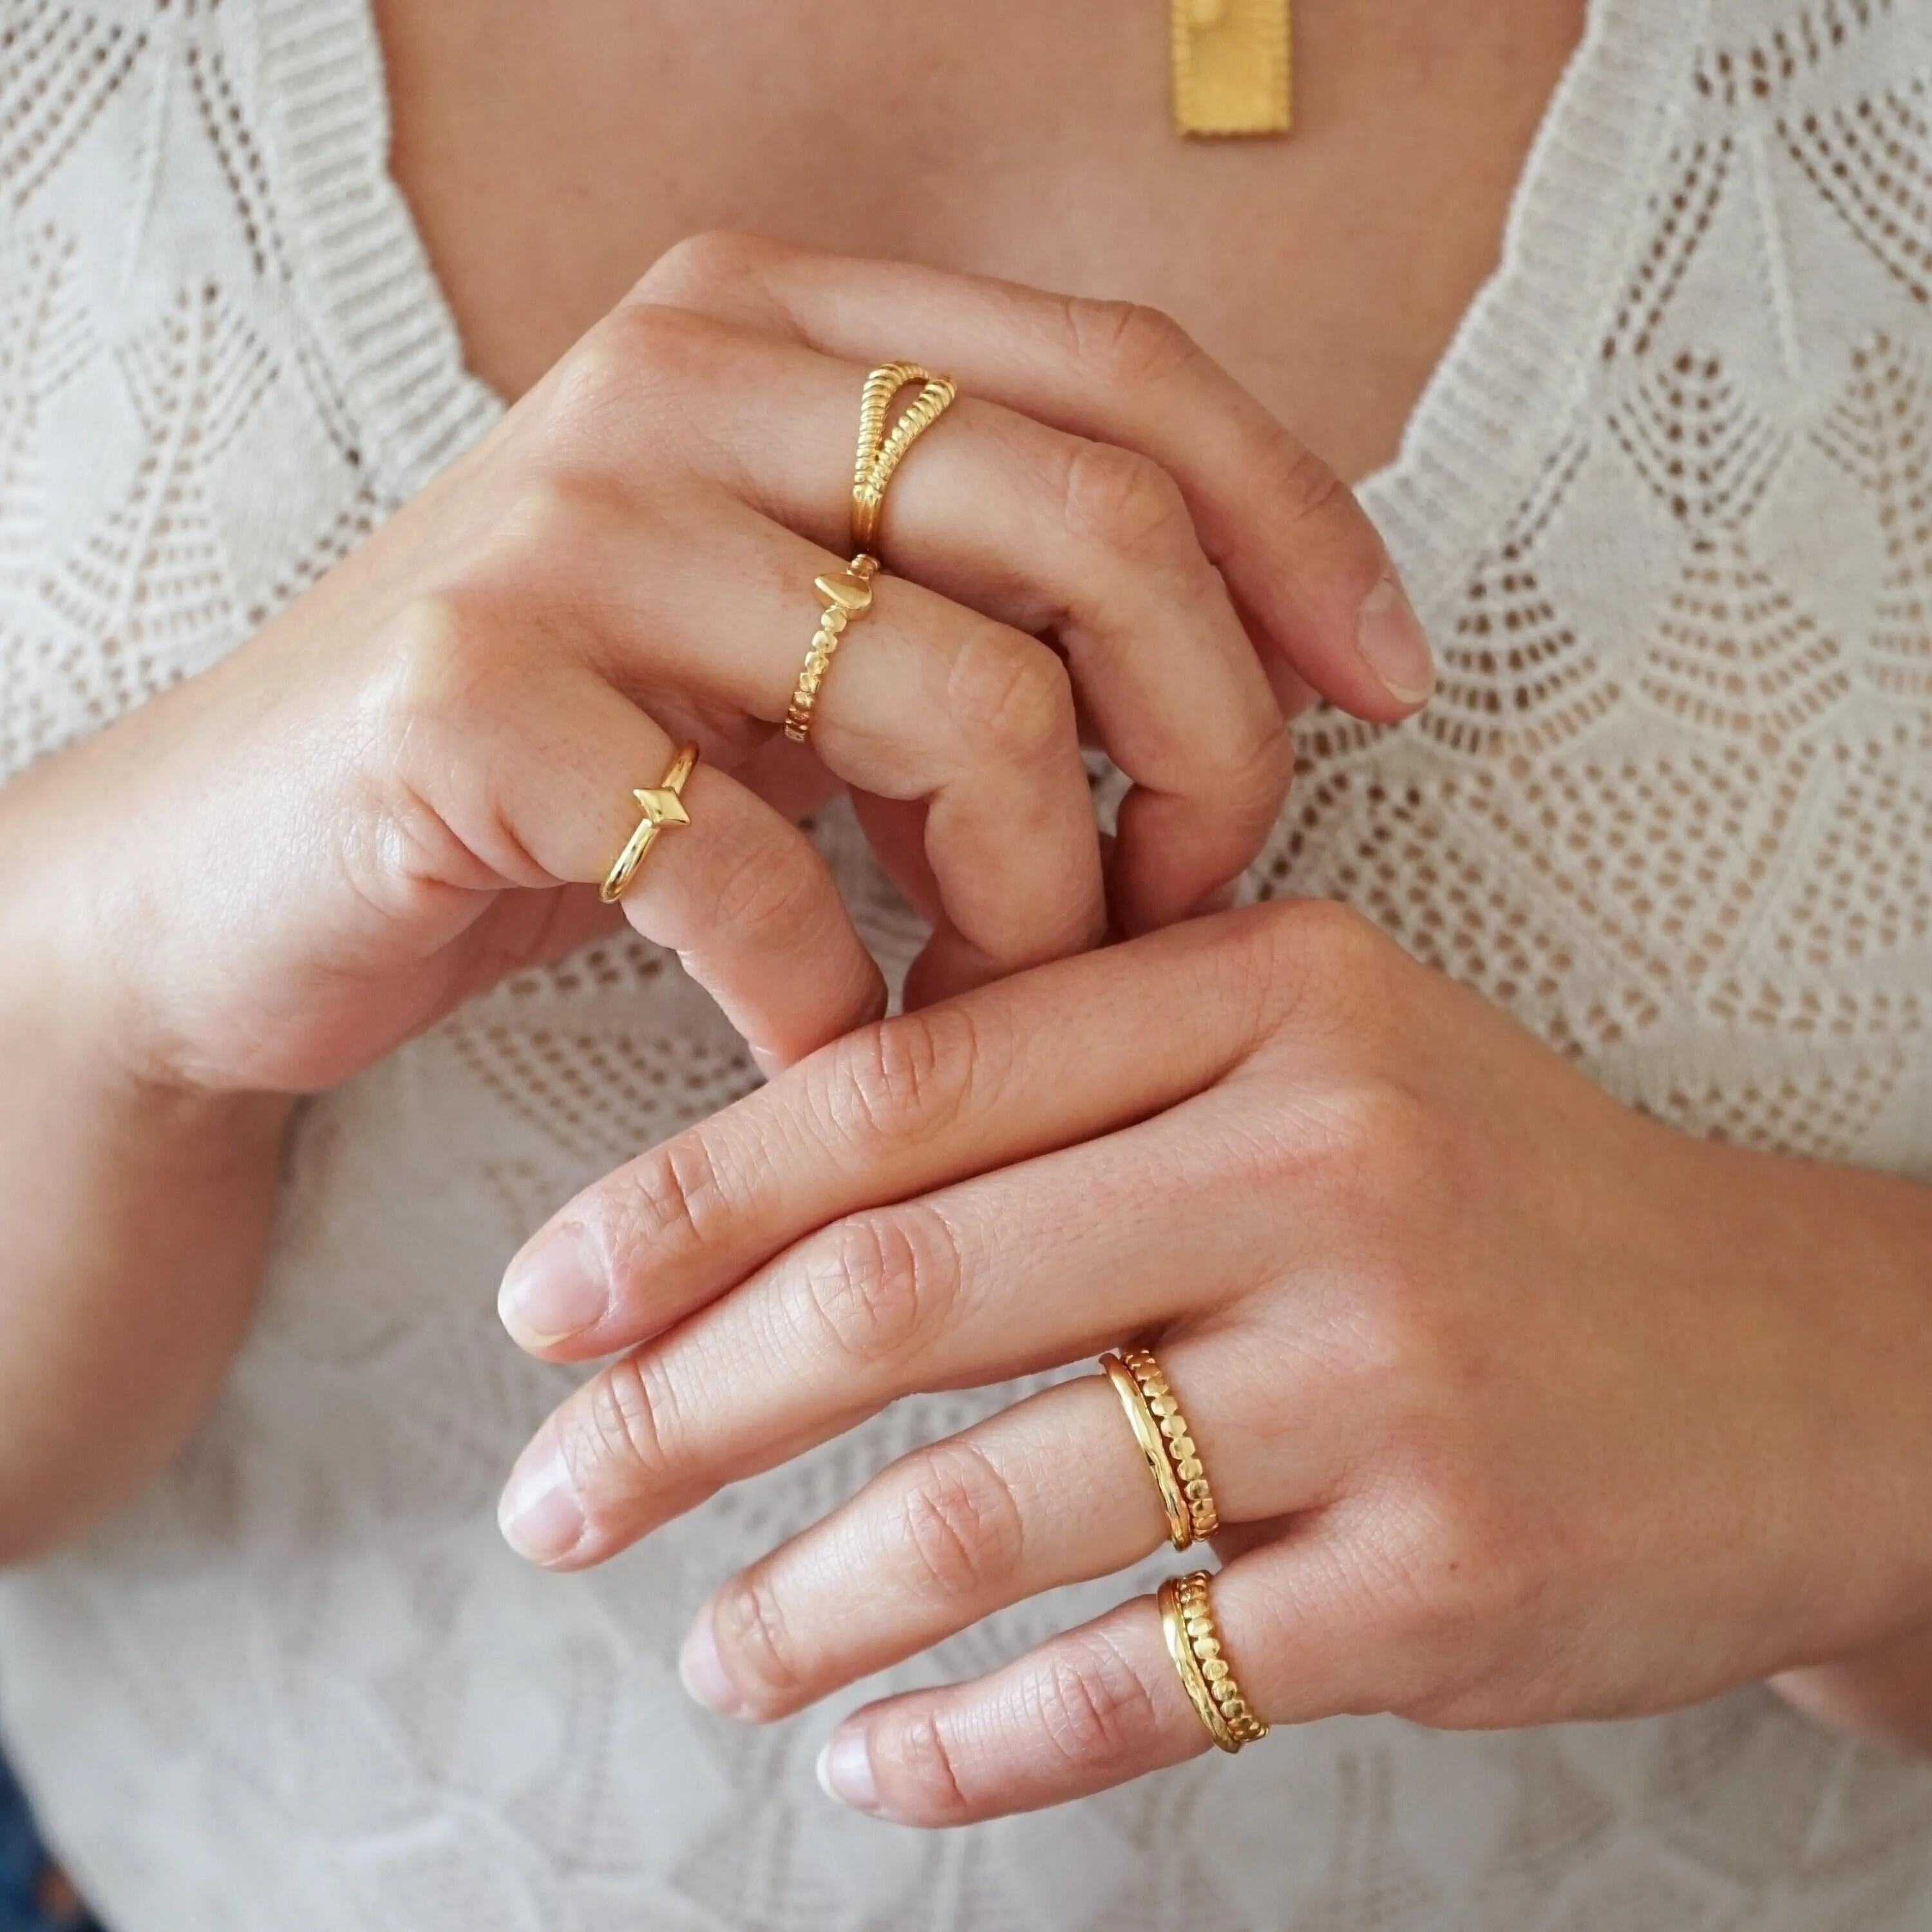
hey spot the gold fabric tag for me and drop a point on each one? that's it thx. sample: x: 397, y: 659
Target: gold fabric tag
x: 1231, y: 66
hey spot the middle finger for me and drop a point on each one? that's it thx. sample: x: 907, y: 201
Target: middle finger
x: 923, y: 1294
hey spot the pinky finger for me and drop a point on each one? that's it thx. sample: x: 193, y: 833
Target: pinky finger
x: 1088, y: 1710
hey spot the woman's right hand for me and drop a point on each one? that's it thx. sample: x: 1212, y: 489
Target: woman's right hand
x: 410, y: 781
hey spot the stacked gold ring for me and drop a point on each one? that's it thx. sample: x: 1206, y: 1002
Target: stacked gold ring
x: 847, y: 595
x: 1194, y: 1643
x: 1161, y: 1431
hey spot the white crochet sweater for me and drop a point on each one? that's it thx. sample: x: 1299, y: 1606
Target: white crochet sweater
x: 1667, y: 509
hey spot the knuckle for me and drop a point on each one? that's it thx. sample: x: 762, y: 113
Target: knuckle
x: 926, y: 1769
x: 551, y: 528
x: 905, y: 1079
x: 621, y: 1444
x: 440, y: 662
x: 963, y: 1526
x: 1309, y: 484
x: 626, y: 365
x: 1125, y: 342
x: 770, y: 881
x: 1010, y: 693
x: 883, y: 1280
x: 1316, y: 958
x: 702, y: 266
x: 1123, y: 502
x: 1094, y: 1707
x: 755, y: 1641
x: 673, y: 1203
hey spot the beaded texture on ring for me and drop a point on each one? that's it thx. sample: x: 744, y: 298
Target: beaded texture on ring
x: 847, y: 594
x: 1203, y: 1516
x: 1194, y: 1643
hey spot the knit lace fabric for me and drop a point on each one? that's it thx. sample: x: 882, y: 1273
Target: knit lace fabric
x: 1667, y: 509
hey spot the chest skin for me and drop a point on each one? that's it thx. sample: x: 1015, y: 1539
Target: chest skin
x: 550, y: 149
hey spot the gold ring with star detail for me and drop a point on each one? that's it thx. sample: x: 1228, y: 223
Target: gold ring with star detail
x: 1172, y: 1457
x: 662, y: 805
x: 1194, y: 1643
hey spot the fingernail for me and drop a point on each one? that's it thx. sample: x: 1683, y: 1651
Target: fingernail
x: 1389, y: 636
x: 703, y: 1671
x: 845, y: 1772
x: 540, y: 1516
x: 554, y: 1289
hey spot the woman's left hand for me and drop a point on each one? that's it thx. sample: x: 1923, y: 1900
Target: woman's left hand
x: 1517, y: 1405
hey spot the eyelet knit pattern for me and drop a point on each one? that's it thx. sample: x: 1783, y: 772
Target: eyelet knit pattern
x: 1667, y: 509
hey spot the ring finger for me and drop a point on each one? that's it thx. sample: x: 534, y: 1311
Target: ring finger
x: 921, y: 1295
x: 1051, y: 1492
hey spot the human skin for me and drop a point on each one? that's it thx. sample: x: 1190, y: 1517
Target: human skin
x: 1328, y: 272
x: 410, y: 782
x: 1518, y: 1406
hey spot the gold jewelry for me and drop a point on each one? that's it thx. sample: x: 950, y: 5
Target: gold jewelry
x: 848, y: 595
x: 881, y: 454
x: 1161, y: 1431
x: 663, y: 806
x: 1233, y: 66
x: 1187, y: 1621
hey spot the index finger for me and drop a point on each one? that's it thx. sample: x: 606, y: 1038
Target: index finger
x: 1014, y: 1070
x: 1307, y: 567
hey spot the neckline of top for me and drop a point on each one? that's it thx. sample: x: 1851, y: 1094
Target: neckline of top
x: 1470, y: 451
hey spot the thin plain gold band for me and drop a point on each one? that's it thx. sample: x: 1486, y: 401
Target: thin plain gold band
x: 1178, y: 1442
x: 1194, y: 1643
x: 663, y: 809
x: 1154, y: 1448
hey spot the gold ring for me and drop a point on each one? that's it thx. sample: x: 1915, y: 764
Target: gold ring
x: 662, y: 805
x: 1187, y: 1622
x: 1161, y: 1431
x: 880, y: 452
x: 847, y: 595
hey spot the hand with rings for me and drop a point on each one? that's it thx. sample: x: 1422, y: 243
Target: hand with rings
x: 1502, y: 1403
x: 480, y: 729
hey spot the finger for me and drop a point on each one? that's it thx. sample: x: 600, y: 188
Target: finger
x: 1300, y: 554
x: 1104, y: 1703
x: 1009, y: 1073
x: 925, y: 701
x: 530, y: 784
x: 1048, y: 533
x: 944, y: 1291
x: 1051, y: 1491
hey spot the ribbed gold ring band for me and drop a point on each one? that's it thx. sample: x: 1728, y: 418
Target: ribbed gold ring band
x: 1161, y: 1431
x: 847, y: 594
x: 1194, y: 1643
x: 663, y: 808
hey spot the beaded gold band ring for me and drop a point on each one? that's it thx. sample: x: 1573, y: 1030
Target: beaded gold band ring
x: 663, y: 807
x: 847, y: 594
x: 1161, y: 1431
x: 1194, y: 1643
